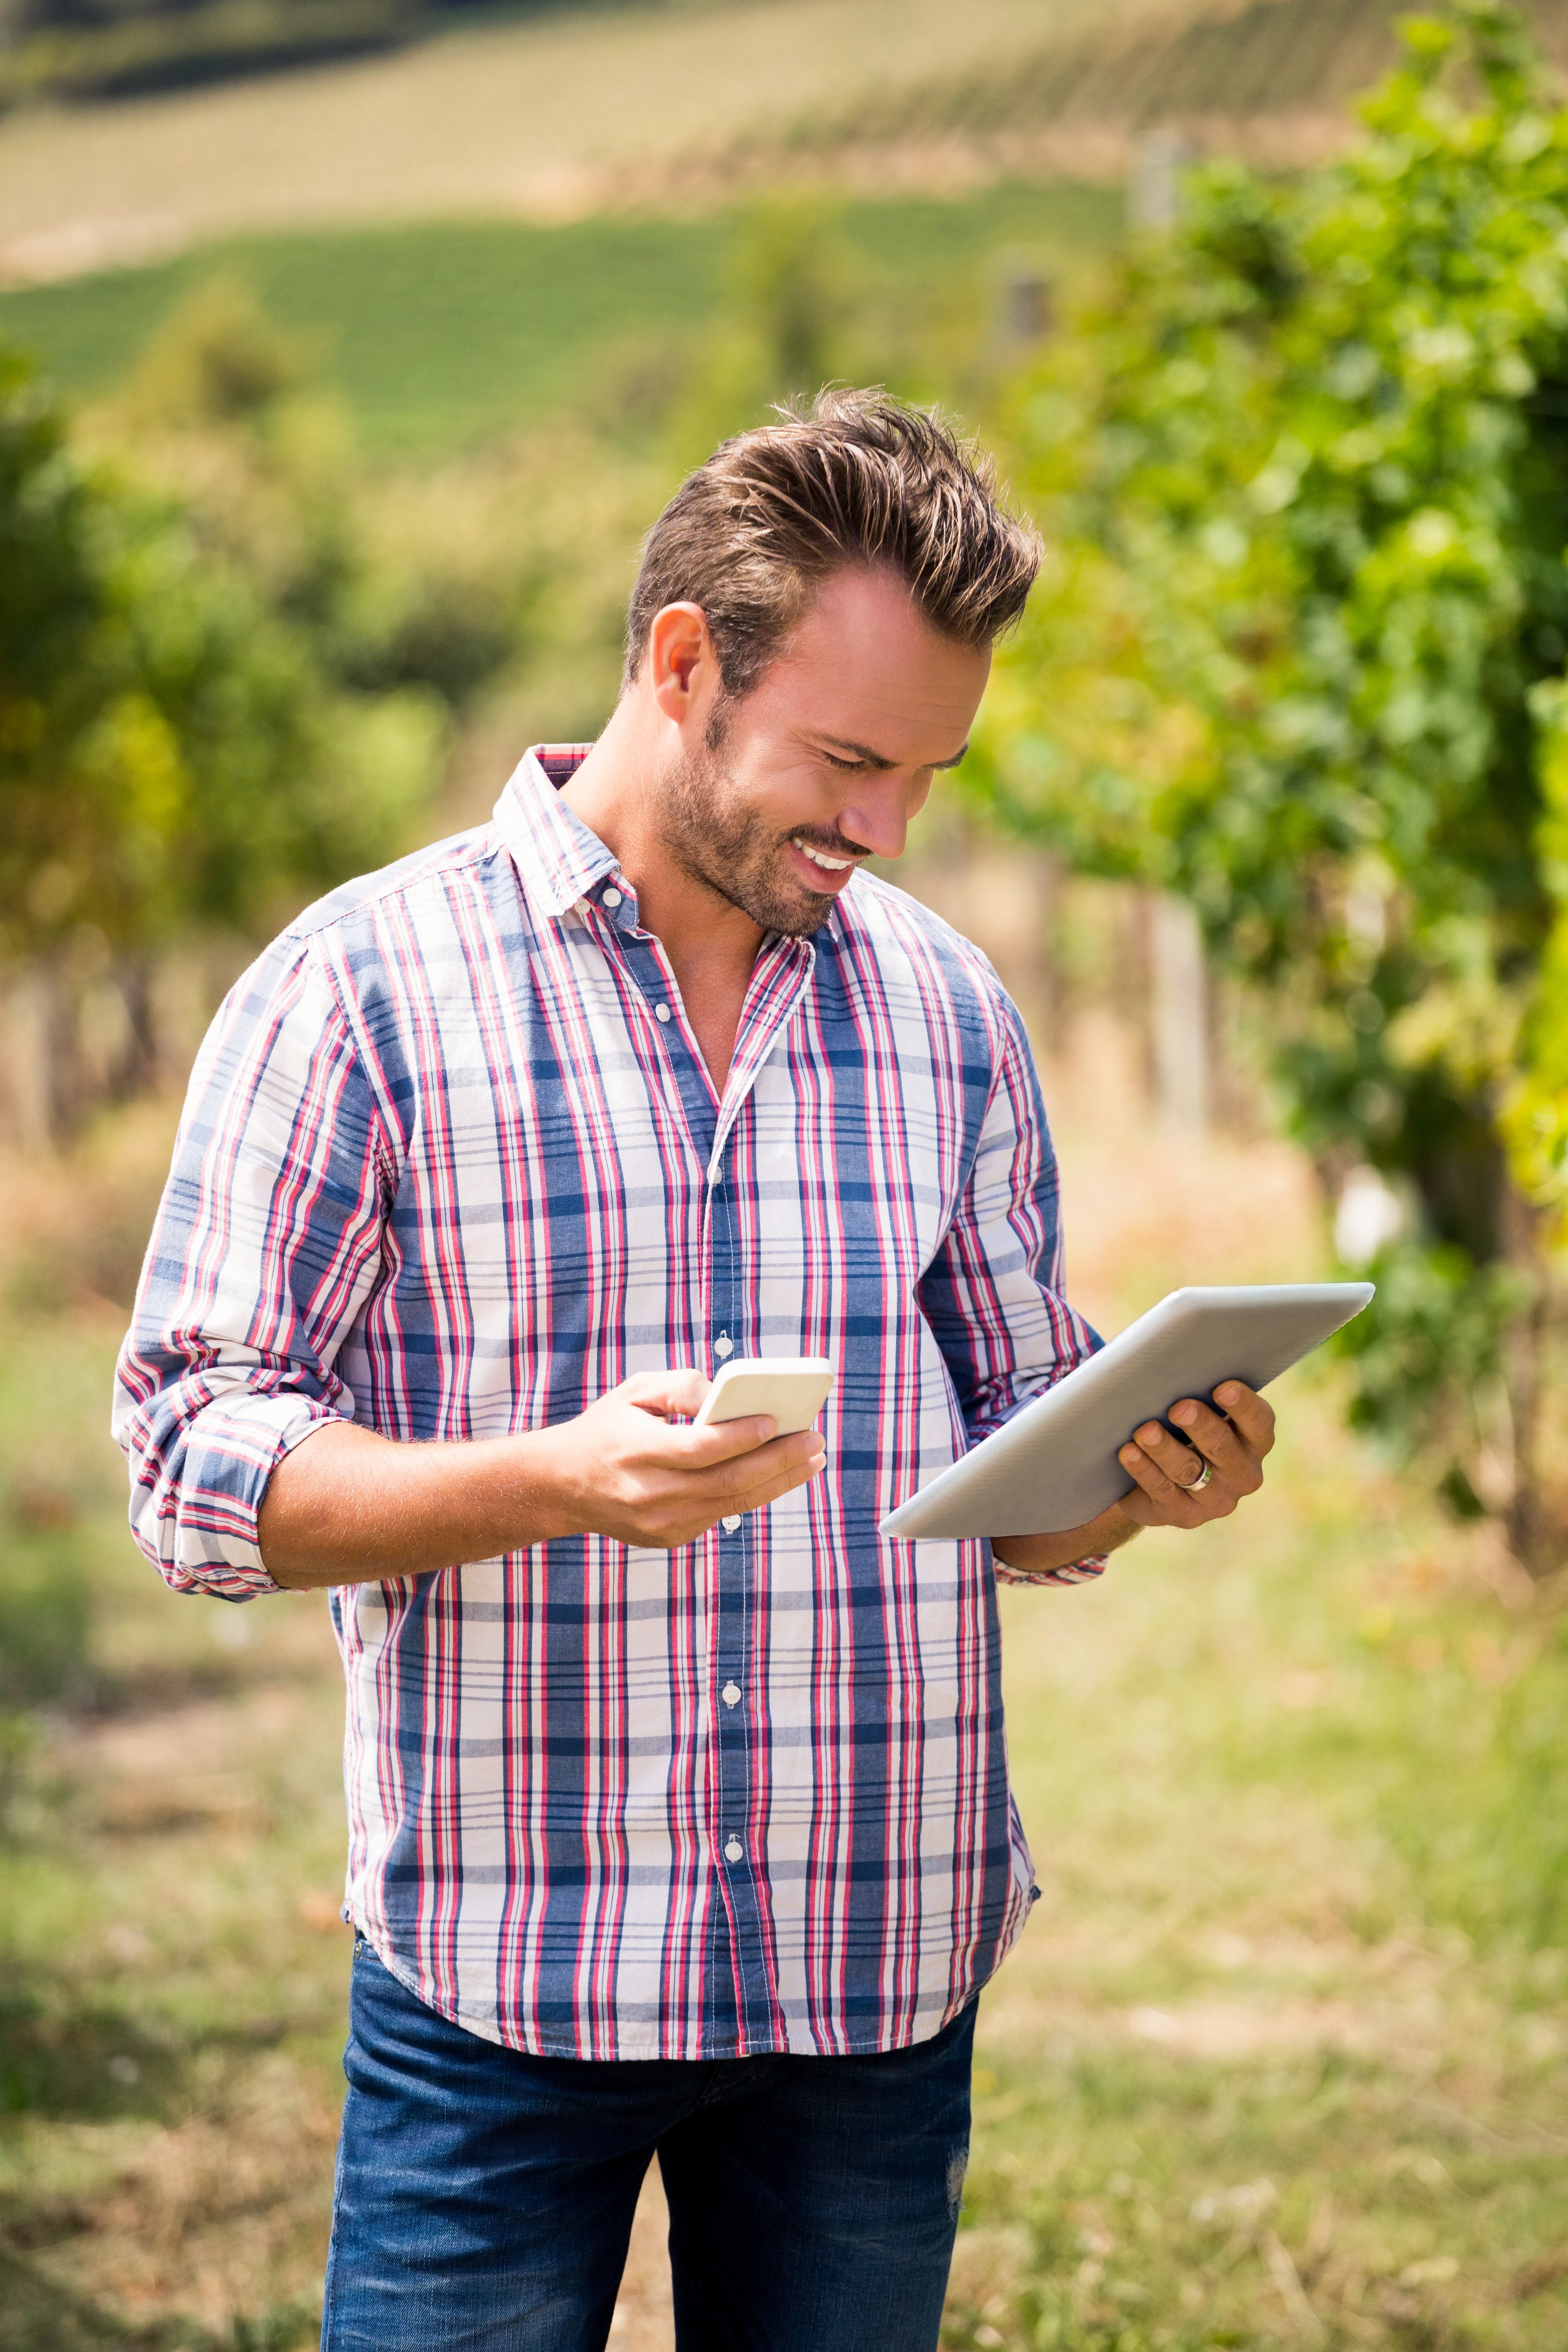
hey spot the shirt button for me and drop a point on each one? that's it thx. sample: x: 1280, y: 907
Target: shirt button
x: 730, y: 1523
x: 731, y: 1694
x: 725, y: 1347
x: 613, y: 897
x: 715, y: 1175
x: 660, y: 1012
x: 734, y: 1850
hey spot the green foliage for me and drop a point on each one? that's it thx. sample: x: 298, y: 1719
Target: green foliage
x: 219, y: 359
x: 1434, y: 1345
x: 1535, y: 1115
x: 172, y: 747
x: 788, y: 323
x: 1306, y: 473
x: 793, y: 278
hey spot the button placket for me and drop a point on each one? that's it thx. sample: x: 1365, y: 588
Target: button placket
x: 732, y: 1635
x: 708, y: 1126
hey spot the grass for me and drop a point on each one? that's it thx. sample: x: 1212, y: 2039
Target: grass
x: 1280, y: 2059
x: 1278, y: 2062
x: 442, y: 334
x: 173, y: 1967
x: 1249, y: 2081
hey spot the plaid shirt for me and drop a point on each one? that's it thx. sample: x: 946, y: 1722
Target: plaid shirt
x: 451, y: 1164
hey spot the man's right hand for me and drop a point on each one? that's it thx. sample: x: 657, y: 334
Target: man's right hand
x: 349, y: 1508
x: 624, y: 1469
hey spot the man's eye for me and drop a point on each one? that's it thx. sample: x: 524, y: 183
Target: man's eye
x: 845, y: 767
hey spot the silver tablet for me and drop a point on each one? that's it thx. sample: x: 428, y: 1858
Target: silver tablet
x: 1053, y: 1464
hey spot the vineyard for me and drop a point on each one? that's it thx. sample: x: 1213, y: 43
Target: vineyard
x: 1273, y: 80
x: 333, y: 407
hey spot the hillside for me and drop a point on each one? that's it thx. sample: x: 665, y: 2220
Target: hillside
x: 1272, y: 81
x: 561, y: 114
x: 540, y: 117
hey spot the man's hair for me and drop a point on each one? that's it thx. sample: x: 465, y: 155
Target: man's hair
x: 854, y: 479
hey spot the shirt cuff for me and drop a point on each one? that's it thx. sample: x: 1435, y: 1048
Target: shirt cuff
x: 1077, y: 1571
x: 209, y: 1544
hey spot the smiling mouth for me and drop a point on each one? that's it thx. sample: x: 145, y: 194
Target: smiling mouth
x: 819, y: 857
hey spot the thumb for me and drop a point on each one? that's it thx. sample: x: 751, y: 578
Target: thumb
x: 668, y: 1393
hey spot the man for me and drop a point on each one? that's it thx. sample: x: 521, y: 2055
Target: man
x: 678, y: 1809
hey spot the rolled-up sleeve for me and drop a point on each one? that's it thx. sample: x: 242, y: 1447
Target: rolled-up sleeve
x: 992, y: 1293
x: 266, y: 1244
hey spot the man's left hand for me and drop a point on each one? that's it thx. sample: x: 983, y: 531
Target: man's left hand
x: 1172, y: 1489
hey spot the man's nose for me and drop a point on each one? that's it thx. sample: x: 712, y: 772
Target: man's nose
x: 878, y: 821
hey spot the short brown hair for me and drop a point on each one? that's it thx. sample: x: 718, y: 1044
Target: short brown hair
x: 855, y: 479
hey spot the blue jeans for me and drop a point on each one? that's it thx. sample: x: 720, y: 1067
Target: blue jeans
x: 483, y: 2198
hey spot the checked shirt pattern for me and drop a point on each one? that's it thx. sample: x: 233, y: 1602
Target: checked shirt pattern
x: 452, y: 1165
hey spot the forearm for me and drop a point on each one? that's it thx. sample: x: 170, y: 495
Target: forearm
x: 347, y: 1506
x: 1038, y: 1555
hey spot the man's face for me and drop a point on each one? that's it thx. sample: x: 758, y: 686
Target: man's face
x: 777, y: 797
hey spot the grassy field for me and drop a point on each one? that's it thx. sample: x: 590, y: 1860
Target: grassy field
x: 442, y: 333
x: 1281, y: 2060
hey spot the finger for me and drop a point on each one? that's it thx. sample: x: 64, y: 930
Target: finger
x: 725, y: 1459
x: 1219, y: 1443
x: 1252, y: 1415
x: 795, y: 1469
x: 1173, y: 1506
x: 773, y: 1489
x: 720, y: 1442
x: 753, y: 1463
x: 684, y: 1525
x: 761, y: 1477
x: 669, y: 1390
x: 784, y: 1456
x: 1182, y: 1464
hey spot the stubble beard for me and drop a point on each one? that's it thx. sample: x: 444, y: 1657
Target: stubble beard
x: 720, y: 842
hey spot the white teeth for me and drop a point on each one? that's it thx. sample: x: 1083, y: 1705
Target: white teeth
x: 829, y: 865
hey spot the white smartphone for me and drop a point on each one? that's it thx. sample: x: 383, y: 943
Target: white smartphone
x: 791, y: 1388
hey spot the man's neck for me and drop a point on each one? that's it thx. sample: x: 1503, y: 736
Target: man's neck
x: 711, y: 944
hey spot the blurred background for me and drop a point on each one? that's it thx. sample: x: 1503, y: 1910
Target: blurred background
x: 347, y: 349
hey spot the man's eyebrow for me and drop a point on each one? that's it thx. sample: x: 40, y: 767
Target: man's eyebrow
x: 879, y: 759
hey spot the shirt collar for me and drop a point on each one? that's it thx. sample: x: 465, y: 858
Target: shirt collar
x: 560, y: 859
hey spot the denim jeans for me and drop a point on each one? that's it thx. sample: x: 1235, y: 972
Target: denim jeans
x: 483, y: 2198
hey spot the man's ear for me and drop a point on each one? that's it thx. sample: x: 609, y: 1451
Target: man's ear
x: 683, y: 668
